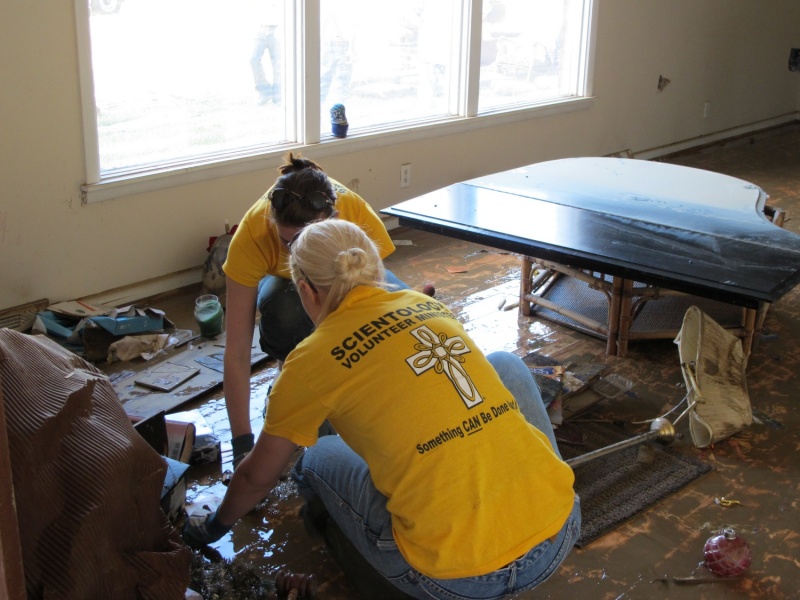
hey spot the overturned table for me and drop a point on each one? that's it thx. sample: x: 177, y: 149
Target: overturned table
x: 636, y: 231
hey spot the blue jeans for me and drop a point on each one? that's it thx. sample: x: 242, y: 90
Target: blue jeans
x: 284, y: 322
x: 335, y: 474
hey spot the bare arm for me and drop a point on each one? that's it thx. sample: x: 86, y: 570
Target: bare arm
x: 256, y: 476
x: 240, y: 309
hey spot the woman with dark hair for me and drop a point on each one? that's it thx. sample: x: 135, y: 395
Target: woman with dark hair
x: 257, y: 276
x: 445, y: 480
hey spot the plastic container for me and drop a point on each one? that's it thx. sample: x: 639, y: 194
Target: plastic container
x: 612, y: 386
x: 209, y: 315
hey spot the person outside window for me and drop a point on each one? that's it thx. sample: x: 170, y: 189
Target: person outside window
x: 445, y: 477
x: 267, y: 41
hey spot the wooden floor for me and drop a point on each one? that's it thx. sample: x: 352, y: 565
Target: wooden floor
x: 760, y: 467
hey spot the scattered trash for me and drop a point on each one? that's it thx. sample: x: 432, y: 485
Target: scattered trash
x: 215, y: 577
x: 511, y: 305
x: 727, y: 554
x: 215, y: 362
x: 213, y: 276
x: 612, y: 385
x: 166, y: 376
x: 765, y: 419
x: 726, y: 502
x: 695, y: 580
x: 227, y: 475
x: 137, y: 346
x: 295, y: 586
x: 206, y: 445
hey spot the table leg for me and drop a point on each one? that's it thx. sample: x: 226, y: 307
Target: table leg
x: 750, y: 315
x: 525, y: 286
x: 621, y: 302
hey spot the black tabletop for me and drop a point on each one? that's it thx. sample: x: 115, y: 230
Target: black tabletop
x: 680, y: 228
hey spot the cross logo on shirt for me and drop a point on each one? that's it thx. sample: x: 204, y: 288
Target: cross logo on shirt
x: 443, y: 355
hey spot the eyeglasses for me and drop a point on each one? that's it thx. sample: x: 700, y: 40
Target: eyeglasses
x: 281, y: 197
x: 308, y: 281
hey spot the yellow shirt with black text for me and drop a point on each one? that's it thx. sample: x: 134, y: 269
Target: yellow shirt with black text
x: 471, y: 485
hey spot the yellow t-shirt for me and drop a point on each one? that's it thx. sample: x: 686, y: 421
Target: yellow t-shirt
x: 256, y: 249
x: 471, y: 484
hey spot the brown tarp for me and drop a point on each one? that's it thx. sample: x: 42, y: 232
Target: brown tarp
x: 87, y: 486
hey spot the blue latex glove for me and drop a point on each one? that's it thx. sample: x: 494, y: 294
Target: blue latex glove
x: 201, y: 530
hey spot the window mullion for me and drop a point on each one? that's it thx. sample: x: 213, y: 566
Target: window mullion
x: 308, y: 70
x: 91, y: 142
x: 470, y: 27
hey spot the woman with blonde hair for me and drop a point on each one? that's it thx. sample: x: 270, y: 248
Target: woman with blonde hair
x: 444, y: 480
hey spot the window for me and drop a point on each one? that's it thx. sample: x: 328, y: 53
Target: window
x: 530, y: 52
x: 388, y: 62
x: 171, y: 84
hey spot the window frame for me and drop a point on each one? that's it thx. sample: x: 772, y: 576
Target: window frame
x: 303, y: 109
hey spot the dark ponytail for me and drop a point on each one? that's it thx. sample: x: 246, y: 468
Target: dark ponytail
x: 302, y: 176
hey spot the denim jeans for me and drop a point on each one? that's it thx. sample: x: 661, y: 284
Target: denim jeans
x: 335, y: 474
x: 284, y: 322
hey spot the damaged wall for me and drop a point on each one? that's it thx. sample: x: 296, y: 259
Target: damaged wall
x: 732, y: 53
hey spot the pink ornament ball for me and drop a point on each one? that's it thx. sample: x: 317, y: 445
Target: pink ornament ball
x: 727, y: 555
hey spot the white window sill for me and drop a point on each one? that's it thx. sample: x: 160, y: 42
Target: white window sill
x: 153, y: 179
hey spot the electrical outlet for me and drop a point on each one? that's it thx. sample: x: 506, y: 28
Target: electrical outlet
x: 706, y: 109
x: 405, y: 175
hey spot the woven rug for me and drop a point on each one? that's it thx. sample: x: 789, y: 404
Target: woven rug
x: 615, y: 487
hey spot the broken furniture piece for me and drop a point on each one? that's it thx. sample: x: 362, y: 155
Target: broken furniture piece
x: 661, y: 430
x: 713, y: 364
x: 619, y: 310
x: 663, y: 226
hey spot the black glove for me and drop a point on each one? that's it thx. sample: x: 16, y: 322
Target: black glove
x: 242, y: 445
x: 201, y: 530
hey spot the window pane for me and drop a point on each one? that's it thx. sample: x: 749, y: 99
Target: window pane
x: 176, y: 79
x: 386, y: 61
x: 529, y: 51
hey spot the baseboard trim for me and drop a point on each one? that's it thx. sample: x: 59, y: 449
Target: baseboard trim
x: 719, y: 136
x: 136, y: 292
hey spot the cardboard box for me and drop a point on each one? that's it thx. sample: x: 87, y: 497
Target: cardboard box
x: 180, y: 440
x: 100, y: 332
x: 154, y: 430
x: 206, y: 448
x: 173, y: 496
x: 130, y: 320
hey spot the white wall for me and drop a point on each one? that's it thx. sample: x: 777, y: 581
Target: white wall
x: 732, y: 53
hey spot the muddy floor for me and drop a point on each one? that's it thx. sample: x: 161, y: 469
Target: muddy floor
x: 759, y: 468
